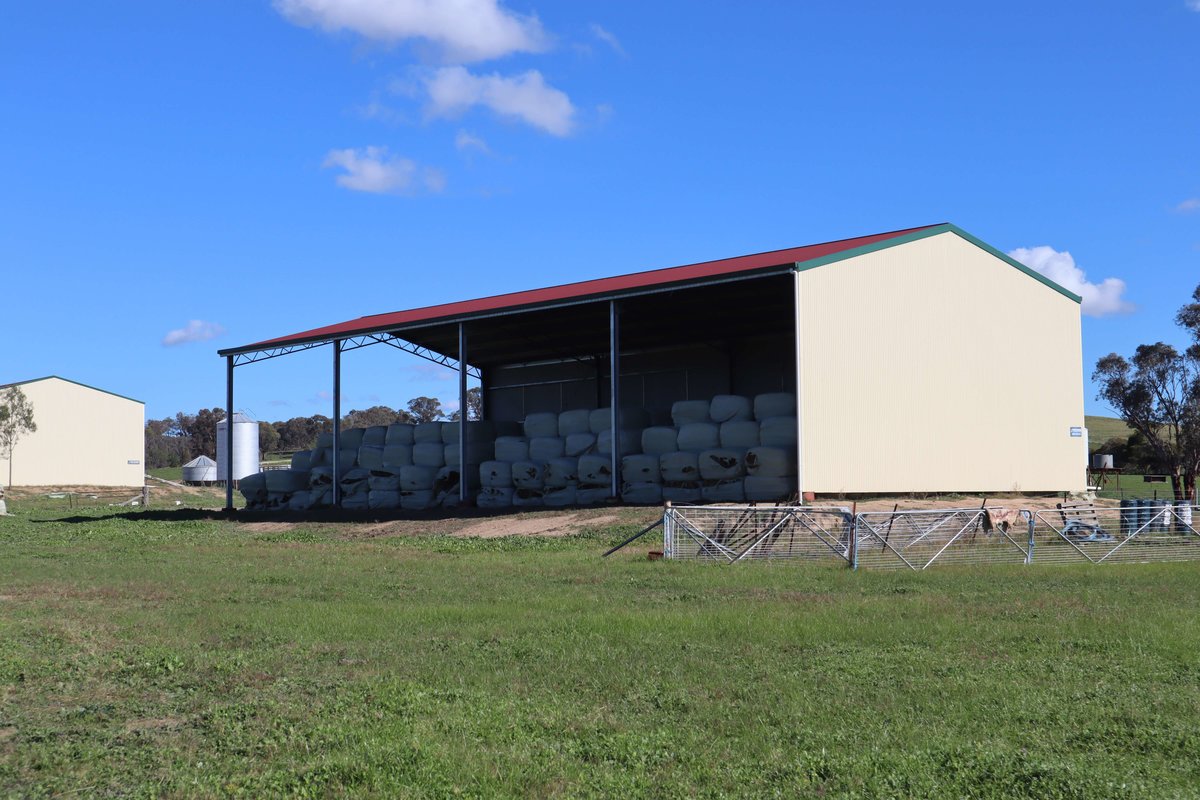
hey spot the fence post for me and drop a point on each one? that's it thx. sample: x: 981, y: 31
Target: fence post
x: 145, y: 496
x: 1032, y: 525
x: 854, y: 540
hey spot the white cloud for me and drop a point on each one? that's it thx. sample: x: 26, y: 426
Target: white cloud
x: 466, y: 30
x: 1192, y: 204
x: 197, y: 330
x: 375, y: 170
x: 465, y: 142
x: 612, y: 41
x: 1194, y: 5
x: 527, y: 97
x: 1099, y: 299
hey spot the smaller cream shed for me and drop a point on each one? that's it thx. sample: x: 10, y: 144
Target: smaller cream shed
x: 85, y: 437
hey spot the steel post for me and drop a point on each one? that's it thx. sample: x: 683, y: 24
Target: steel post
x: 799, y: 386
x: 1029, y: 549
x: 614, y: 392
x: 229, y: 433
x: 462, y: 413
x: 337, y: 423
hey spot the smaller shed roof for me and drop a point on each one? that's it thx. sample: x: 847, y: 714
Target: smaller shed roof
x: 200, y: 461
x: 68, y: 380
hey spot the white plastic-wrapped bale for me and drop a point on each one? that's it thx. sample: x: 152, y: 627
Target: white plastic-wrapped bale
x: 417, y: 478
x: 541, y: 424
x: 320, y: 496
x: 682, y: 493
x: 496, y: 474
x: 595, y: 470
x: 512, y: 448
x: 445, y: 483
x: 356, y: 502
x: 561, y: 472
x: 429, y: 454
x: 477, y: 453
x: 300, y: 501
x: 347, y: 460
x: 477, y: 431
x: 576, y: 421
x: 774, y: 404
x: 375, y: 436
x: 528, y: 475
x: 370, y: 456
x: 320, y: 457
x: 578, y: 444
x: 778, y: 432
x: 591, y: 495
x: 768, y: 488
x: 355, y: 482
x: 416, y: 499
x: 302, y: 459
x: 642, y: 493
x: 699, y: 436
x: 400, y: 433
x: 254, y: 489
x: 398, y: 455
x: 739, y: 434
x: 352, y: 438
x: 384, y: 479
x: 527, y: 497
x: 286, y: 480
x: 383, y: 499
x: 630, y: 442
x: 640, y: 468
x: 631, y: 417
x: 729, y: 407
x: 686, y: 412
x: 559, y: 496
x: 325, y: 440
x: 660, y: 439
x: 721, y: 464
x: 731, y: 491
x: 494, y: 497
x: 317, y: 476
x: 774, y: 462
x: 679, y: 467
x: 427, y: 433
x: 544, y: 448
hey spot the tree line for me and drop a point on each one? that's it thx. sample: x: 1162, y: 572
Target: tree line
x: 174, y: 441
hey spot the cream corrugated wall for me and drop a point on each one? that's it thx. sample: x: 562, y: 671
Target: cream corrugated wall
x: 936, y: 366
x: 85, y: 437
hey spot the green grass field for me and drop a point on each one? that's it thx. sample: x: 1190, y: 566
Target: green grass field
x: 1101, y: 429
x: 163, y: 653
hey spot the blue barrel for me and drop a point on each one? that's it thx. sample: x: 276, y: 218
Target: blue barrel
x: 1162, y: 521
x: 1183, y: 517
x: 1129, y: 517
x: 1145, y: 512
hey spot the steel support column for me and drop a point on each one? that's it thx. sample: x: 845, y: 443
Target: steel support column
x: 462, y: 413
x: 229, y: 433
x: 614, y: 392
x: 799, y: 386
x: 337, y: 423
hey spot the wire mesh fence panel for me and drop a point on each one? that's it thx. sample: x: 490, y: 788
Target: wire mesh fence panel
x: 1142, y: 532
x: 919, y: 539
x: 729, y: 534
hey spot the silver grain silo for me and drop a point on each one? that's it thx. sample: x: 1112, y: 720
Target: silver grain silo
x: 200, y: 469
x: 245, y: 447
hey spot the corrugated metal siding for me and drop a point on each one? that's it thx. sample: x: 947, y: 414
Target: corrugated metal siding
x: 935, y: 366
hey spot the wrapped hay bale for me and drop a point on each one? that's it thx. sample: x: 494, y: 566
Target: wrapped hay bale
x: 682, y: 493
x: 660, y: 439
x: 356, y: 502
x: 320, y: 457
x: 578, y: 444
x: 417, y: 478
x: 642, y: 493
x: 739, y: 434
x: 494, y: 497
x: 591, y: 495
x: 630, y: 417
x: 778, y: 432
x: 302, y: 460
x: 375, y: 436
x: 774, y: 404
x: 477, y: 431
x: 355, y: 482
x: 347, y: 460
x: 544, y: 448
x: 595, y: 470
x: 528, y: 475
x: 512, y: 448
x: 325, y: 440
x: 559, y: 496
x: 630, y: 442
x: 416, y: 499
x: 429, y: 454
x: 254, y: 489
x: 496, y: 474
x: 541, y: 424
x: 285, y: 481
x: 445, y: 484
x: 427, y: 433
x: 774, y: 462
x: 370, y: 456
x: 679, y: 467
x: 384, y: 479
x: 639, y: 468
x: 729, y: 407
x: 699, y: 436
x: 768, y: 488
x: 352, y: 438
x: 400, y: 433
x: 383, y: 499
x: 721, y: 465
x: 687, y: 412
x: 317, y: 476
x: 300, y: 501
x: 398, y: 455
x: 527, y: 497
x: 320, y: 496
x: 577, y: 421
x: 477, y: 453
x: 731, y: 491
x: 561, y: 472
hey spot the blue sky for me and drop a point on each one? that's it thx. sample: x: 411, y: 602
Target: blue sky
x: 185, y: 176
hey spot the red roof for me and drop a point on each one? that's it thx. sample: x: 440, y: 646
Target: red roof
x: 601, y: 287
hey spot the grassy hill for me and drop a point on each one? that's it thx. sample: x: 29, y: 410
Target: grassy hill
x: 1101, y: 429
